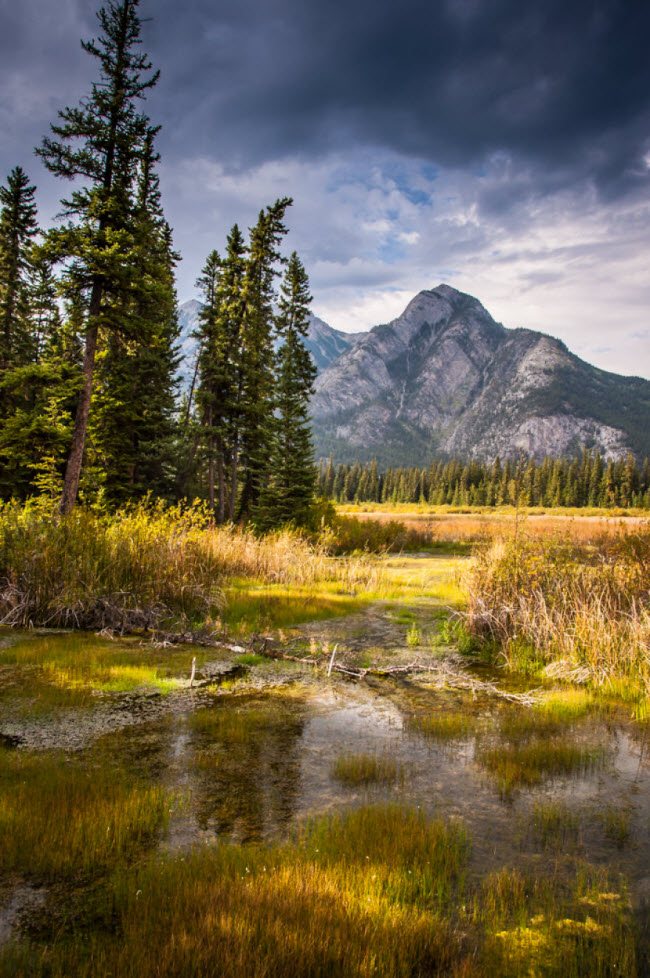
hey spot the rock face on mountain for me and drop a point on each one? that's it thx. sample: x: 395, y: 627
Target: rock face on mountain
x: 445, y: 379
x: 324, y: 343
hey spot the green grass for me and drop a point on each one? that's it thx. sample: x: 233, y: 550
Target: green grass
x: 361, y: 770
x: 443, y: 726
x: 555, y: 824
x: 533, y: 762
x: 68, y: 820
x: 250, y: 659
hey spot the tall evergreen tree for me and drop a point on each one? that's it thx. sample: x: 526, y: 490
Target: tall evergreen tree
x: 133, y: 414
x: 257, y: 380
x: 220, y: 389
x: 18, y: 226
x: 288, y: 492
x: 100, y: 141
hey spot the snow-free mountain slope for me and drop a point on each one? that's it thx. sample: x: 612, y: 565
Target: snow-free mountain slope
x: 445, y: 379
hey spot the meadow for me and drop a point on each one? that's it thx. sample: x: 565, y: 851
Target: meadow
x: 278, y: 820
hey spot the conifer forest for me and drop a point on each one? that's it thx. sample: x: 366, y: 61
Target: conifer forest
x: 89, y: 397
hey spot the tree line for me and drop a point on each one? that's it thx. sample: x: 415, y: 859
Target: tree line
x: 89, y: 356
x: 586, y: 480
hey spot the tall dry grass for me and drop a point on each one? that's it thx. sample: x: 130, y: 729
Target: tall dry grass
x: 581, y: 612
x: 453, y: 529
x: 145, y: 566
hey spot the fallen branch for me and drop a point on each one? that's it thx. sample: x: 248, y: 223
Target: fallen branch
x: 442, y: 675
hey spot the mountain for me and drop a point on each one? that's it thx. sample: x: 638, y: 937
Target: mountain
x: 324, y: 343
x: 188, y: 320
x: 445, y: 379
x: 327, y: 344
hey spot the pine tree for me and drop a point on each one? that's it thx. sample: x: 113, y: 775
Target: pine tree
x: 133, y: 416
x: 257, y: 361
x: 100, y: 142
x: 18, y: 226
x: 220, y: 367
x: 288, y: 493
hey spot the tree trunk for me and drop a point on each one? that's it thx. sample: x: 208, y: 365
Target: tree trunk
x: 75, y: 458
x: 210, y: 463
x: 233, y: 497
x: 221, y: 478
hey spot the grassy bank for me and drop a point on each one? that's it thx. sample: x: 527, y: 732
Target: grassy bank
x: 571, y: 611
x: 381, y: 890
x: 151, y: 566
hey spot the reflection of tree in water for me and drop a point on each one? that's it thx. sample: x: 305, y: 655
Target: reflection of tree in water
x: 144, y: 749
x: 247, y: 759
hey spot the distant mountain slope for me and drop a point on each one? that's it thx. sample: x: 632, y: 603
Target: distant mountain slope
x: 445, y: 379
x: 324, y: 343
x: 327, y: 344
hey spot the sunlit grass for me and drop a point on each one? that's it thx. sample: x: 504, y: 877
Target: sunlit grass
x: 60, y: 819
x: 570, y: 703
x: 567, y: 610
x: 378, y: 891
x: 443, y: 725
x: 360, y: 770
x: 424, y: 577
x: 69, y: 666
x: 537, y: 926
x: 251, y: 607
x: 535, y: 761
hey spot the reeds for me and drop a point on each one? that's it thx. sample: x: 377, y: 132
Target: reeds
x: 147, y: 566
x: 361, y: 770
x: 578, y: 613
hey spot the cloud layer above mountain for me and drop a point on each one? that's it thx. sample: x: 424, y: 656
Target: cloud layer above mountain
x: 500, y: 146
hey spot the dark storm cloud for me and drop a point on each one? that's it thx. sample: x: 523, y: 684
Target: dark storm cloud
x: 564, y: 86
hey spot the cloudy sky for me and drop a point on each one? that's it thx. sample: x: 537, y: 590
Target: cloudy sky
x: 500, y: 146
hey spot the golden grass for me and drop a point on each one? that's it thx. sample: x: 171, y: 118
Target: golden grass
x: 148, y: 565
x: 378, y: 891
x: 447, y: 527
x: 61, y: 820
x: 360, y: 770
x: 575, y: 612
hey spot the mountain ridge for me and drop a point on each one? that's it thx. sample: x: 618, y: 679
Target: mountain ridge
x: 324, y: 342
x: 445, y: 378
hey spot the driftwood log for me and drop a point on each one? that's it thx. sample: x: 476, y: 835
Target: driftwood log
x: 446, y: 674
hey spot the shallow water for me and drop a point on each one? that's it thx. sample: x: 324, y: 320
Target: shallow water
x: 281, y: 773
x: 260, y: 761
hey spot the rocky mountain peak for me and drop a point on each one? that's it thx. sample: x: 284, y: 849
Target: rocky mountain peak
x: 444, y: 378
